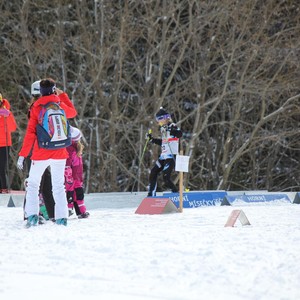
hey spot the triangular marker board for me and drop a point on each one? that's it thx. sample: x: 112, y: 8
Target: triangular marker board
x: 11, y: 202
x: 225, y: 201
x: 237, y: 214
x: 153, y: 206
x: 297, y: 198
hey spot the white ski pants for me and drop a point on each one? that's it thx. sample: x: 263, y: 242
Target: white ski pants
x: 57, y: 168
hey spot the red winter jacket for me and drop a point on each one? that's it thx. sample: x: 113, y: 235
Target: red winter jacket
x: 7, y: 123
x: 30, y: 136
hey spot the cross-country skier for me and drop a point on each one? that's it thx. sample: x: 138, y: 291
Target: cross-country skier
x: 169, y: 143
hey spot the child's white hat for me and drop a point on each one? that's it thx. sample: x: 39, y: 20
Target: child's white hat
x: 75, y: 134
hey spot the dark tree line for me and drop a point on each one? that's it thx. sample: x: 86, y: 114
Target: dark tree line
x: 227, y: 70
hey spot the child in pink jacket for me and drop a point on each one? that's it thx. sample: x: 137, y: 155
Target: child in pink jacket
x: 74, y: 176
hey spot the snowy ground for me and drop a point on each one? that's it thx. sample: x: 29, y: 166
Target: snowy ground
x: 117, y: 254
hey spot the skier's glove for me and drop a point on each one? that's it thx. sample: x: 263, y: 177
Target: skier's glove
x: 20, y: 162
x: 70, y: 198
x: 25, y: 183
x: 172, y: 126
x: 173, y: 129
x: 149, y: 136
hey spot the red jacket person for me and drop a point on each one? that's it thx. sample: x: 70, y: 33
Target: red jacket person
x: 42, y: 157
x: 7, y: 126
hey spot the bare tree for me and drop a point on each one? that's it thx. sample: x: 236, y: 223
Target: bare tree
x: 228, y: 71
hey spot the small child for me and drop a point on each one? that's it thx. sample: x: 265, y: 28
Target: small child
x: 74, y: 176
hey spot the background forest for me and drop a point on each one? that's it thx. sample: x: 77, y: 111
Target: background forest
x: 227, y: 70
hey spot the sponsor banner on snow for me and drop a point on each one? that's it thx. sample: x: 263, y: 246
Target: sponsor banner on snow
x: 197, y: 199
x: 254, y: 198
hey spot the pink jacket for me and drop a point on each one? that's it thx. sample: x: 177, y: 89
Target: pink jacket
x: 75, y: 163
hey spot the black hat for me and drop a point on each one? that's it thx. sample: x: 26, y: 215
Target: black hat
x: 162, y: 114
x: 47, y: 87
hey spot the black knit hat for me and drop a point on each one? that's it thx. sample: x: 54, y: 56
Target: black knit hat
x: 47, y: 87
x: 162, y: 114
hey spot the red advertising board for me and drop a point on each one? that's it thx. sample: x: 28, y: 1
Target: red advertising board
x: 152, y: 206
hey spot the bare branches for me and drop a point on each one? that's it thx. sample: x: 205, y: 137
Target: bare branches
x: 228, y: 71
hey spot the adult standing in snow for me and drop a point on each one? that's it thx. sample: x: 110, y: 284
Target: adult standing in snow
x: 169, y: 143
x: 43, y: 158
x: 7, y: 126
x: 46, y: 185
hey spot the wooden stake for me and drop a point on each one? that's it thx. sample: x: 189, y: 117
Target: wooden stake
x: 181, y: 189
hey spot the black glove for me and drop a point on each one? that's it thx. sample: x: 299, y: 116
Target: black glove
x: 173, y: 129
x: 149, y: 137
x: 70, y: 198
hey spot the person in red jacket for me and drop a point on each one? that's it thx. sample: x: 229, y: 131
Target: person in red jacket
x: 45, y: 195
x: 42, y: 158
x: 7, y: 126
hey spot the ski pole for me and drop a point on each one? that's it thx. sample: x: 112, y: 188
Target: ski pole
x: 141, y: 158
x: 146, y: 144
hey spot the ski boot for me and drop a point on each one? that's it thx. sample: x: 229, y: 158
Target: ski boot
x: 62, y: 221
x: 32, y: 221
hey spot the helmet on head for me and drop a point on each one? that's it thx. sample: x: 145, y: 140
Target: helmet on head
x: 35, y: 88
x: 162, y: 114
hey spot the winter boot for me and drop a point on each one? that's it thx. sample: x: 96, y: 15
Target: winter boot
x: 84, y: 215
x: 62, y: 221
x: 42, y: 220
x: 32, y: 221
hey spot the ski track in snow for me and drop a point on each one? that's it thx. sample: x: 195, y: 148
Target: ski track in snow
x: 117, y: 254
